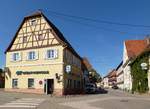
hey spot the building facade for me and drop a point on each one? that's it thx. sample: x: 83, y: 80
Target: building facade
x: 105, y: 82
x: 112, y: 78
x: 132, y: 48
x: 120, y: 76
x: 40, y: 60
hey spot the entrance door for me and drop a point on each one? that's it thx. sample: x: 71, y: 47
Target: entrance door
x: 49, y: 86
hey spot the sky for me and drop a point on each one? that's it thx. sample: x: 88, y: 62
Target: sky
x: 101, y: 43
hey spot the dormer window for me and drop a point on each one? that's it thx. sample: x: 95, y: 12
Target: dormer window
x: 33, y: 22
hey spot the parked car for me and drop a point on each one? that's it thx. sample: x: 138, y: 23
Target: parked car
x: 102, y: 90
x: 90, y: 88
x: 115, y: 87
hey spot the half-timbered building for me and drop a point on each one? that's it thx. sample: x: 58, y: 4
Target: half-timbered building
x: 40, y: 60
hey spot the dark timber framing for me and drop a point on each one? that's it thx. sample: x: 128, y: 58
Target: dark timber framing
x: 58, y: 35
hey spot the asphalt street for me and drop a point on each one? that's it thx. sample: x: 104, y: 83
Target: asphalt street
x: 114, y: 99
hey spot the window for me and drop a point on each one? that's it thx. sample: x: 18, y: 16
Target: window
x: 51, y: 54
x: 69, y: 83
x: 75, y: 84
x: 24, y: 39
x: 15, y: 57
x: 30, y: 83
x: 14, y: 83
x: 79, y: 84
x: 40, y: 37
x: 33, y: 22
x: 31, y: 55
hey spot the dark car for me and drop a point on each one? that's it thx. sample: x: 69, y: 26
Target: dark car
x: 115, y: 87
x: 90, y: 88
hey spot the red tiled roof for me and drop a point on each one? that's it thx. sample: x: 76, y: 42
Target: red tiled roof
x: 112, y: 73
x: 135, y: 47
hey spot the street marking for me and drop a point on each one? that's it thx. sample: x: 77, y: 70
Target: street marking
x: 24, y: 103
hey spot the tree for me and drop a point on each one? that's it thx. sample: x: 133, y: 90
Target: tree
x: 94, y: 76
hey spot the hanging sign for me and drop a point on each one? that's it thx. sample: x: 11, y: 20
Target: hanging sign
x: 68, y: 68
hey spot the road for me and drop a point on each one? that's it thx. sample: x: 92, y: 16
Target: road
x: 114, y: 99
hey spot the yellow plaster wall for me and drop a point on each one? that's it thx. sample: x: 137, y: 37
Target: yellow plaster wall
x: 41, y: 64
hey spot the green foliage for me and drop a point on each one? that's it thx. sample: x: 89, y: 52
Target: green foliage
x: 139, y: 76
x: 94, y: 76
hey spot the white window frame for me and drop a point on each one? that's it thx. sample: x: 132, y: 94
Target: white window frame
x: 34, y: 55
x: 16, y: 57
x: 30, y: 87
x: 51, y: 54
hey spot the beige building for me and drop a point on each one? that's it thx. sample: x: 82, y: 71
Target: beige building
x: 40, y: 60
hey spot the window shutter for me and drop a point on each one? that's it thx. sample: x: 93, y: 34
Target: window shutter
x: 45, y: 54
x: 37, y: 55
x: 12, y: 57
x: 19, y: 59
x: 55, y: 53
x: 27, y: 55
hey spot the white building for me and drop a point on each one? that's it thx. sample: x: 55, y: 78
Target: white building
x: 132, y: 48
x: 105, y: 82
x: 120, y: 76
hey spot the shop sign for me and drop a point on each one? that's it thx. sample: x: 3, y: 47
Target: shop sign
x: 31, y: 72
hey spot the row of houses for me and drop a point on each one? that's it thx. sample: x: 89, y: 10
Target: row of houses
x: 124, y: 74
x: 40, y: 60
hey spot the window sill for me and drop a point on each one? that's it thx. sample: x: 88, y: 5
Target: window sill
x: 31, y: 88
x: 51, y: 58
x: 16, y: 61
x: 15, y: 88
x: 32, y: 59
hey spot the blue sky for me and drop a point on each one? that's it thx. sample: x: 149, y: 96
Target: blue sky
x: 98, y: 41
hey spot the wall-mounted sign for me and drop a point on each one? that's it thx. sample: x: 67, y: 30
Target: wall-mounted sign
x: 68, y: 68
x: 31, y: 72
x: 144, y: 66
x: 40, y: 82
